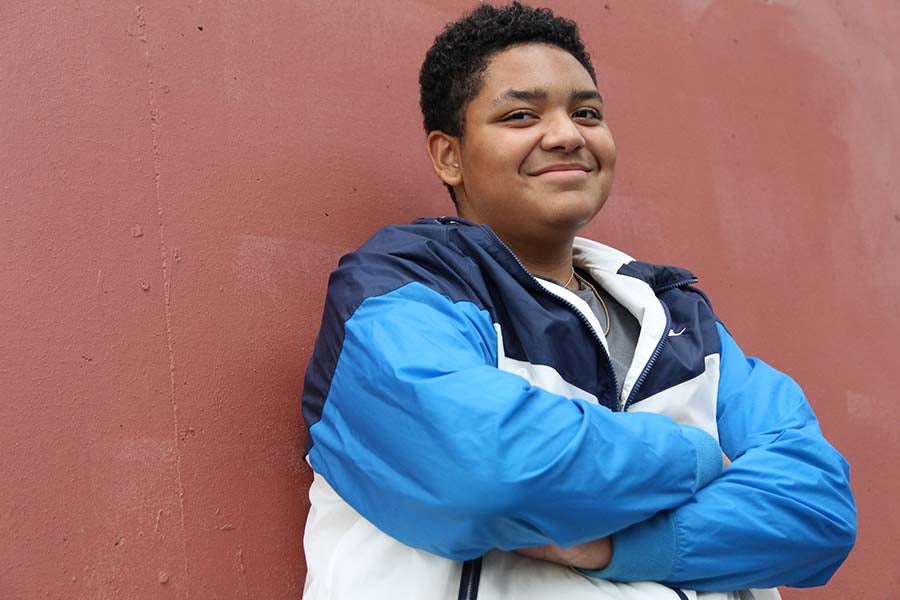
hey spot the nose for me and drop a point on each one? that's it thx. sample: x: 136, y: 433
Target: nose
x: 562, y: 134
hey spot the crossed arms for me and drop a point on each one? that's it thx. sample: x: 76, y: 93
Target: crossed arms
x: 445, y: 452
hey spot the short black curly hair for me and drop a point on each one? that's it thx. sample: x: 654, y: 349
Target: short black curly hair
x: 452, y: 72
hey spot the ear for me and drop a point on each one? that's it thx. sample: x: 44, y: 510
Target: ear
x: 444, y: 152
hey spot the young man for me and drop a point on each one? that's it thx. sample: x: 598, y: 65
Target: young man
x: 498, y: 409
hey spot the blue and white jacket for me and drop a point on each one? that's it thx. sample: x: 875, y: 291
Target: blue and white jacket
x: 459, y: 408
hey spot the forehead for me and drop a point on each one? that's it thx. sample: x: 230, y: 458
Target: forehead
x: 533, y: 66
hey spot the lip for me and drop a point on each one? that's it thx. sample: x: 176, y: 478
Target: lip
x: 562, y: 169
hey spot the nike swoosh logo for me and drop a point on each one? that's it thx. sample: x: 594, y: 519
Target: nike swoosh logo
x: 672, y: 332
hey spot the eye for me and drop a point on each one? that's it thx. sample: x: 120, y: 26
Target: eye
x: 519, y: 116
x: 588, y: 113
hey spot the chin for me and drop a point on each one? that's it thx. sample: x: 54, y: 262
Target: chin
x: 566, y: 226
x: 575, y: 212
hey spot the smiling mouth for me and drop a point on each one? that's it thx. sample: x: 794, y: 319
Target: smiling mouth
x: 562, y: 174
x: 562, y: 170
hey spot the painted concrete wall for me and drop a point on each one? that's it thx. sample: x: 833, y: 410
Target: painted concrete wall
x: 178, y: 178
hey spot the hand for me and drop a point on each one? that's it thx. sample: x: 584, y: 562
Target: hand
x: 726, y: 462
x: 593, y: 555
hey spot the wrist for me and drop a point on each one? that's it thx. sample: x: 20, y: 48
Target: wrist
x: 591, y: 556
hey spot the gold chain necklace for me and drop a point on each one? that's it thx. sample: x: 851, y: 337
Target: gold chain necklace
x: 596, y: 295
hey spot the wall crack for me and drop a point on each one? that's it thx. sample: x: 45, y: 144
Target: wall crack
x: 166, y: 272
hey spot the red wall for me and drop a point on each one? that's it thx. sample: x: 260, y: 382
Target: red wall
x: 178, y: 178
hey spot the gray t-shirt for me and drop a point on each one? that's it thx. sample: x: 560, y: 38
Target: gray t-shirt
x: 624, y: 328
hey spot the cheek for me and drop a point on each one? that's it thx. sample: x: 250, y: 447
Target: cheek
x: 604, y: 148
x: 491, y: 169
x: 611, y: 153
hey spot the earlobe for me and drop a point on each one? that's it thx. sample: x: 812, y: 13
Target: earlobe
x: 443, y: 149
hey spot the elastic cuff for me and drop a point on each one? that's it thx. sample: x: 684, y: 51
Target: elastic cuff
x: 643, y: 552
x: 709, y: 454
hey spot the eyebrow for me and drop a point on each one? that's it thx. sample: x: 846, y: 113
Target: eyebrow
x: 583, y: 95
x: 537, y: 95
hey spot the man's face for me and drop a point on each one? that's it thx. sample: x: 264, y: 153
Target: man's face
x: 536, y: 158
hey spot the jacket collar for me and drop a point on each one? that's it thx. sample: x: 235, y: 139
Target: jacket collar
x: 591, y: 255
x: 588, y: 255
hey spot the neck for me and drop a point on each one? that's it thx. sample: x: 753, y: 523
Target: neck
x: 550, y: 263
x: 545, y: 253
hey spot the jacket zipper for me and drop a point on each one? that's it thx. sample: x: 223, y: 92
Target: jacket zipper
x: 471, y: 570
x: 469, y: 580
x: 681, y: 595
x: 659, y: 345
x: 622, y: 406
x: 572, y: 307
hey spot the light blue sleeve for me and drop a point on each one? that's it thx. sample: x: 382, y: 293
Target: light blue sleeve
x: 781, y: 514
x: 433, y: 444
